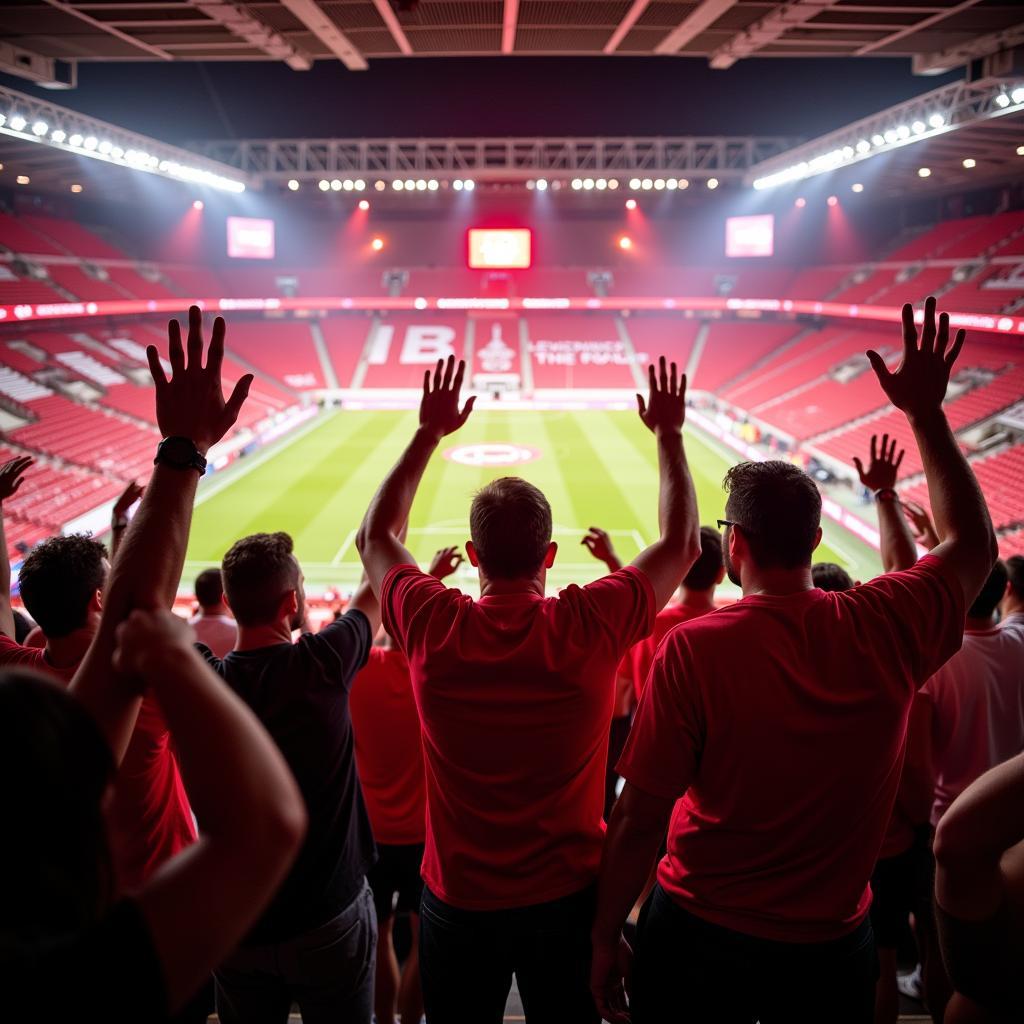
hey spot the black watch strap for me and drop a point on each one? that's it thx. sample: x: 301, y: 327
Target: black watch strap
x: 180, y: 453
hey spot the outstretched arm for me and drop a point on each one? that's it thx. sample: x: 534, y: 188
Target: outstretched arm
x: 251, y: 813
x: 380, y: 546
x: 898, y: 548
x: 918, y: 387
x: 599, y: 544
x: 150, y: 559
x: 12, y: 474
x: 669, y: 558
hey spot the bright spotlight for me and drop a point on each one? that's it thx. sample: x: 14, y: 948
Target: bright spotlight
x: 58, y: 135
x: 625, y: 242
x: 671, y: 184
x: 919, y: 128
x: 847, y: 152
x: 630, y: 204
x: 116, y: 152
x: 105, y: 147
x: 970, y: 162
x: 410, y: 185
x: 903, y: 131
x: 924, y: 172
x: 1002, y: 100
x: 863, y: 146
x: 588, y: 184
x: 659, y: 184
x: 293, y: 185
x: 469, y: 185
x: 335, y: 184
x: 421, y: 185
x: 40, y: 128
x: 457, y: 184
x: 377, y: 244
x: 76, y: 189
x: 856, y: 187
x: 542, y: 185
x: 397, y: 185
x: 1018, y: 94
x: 647, y: 184
x: 18, y: 122
x: 197, y: 204
x: 613, y: 183
x: 936, y: 121
x: 23, y: 179
x: 712, y: 183
x: 634, y: 184
x: 324, y: 185
x: 601, y: 184
x: 1020, y: 151
x: 360, y: 185
x: 347, y: 185
x: 877, y: 140
x: 433, y: 185
x: 800, y: 202
x: 380, y: 186
x: 683, y: 183
x: 891, y: 136
x: 832, y: 200
x: 364, y: 204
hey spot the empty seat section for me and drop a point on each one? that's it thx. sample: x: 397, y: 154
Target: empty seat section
x: 987, y: 235
x: 405, y: 344
x: 657, y: 334
x: 924, y: 283
x: 933, y: 240
x: 578, y: 350
x: 81, y: 285
x: 763, y: 282
x: 15, y: 290
x: 660, y: 280
x: 732, y: 349
x: 827, y: 404
x: 19, y: 237
x: 864, y: 291
x: 345, y: 338
x: 196, y: 282
x: 973, y: 296
x: 75, y: 238
x: 816, y: 282
x: 283, y: 349
x: 138, y: 286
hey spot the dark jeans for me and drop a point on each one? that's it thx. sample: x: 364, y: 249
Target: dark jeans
x: 328, y: 971
x: 468, y: 957
x: 687, y: 969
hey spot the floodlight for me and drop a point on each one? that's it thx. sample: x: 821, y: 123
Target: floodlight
x: 293, y: 184
x: 856, y: 187
x: 364, y: 204
x: 712, y: 183
x: 542, y: 184
x: 970, y: 162
x: 324, y: 185
x: 937, y: 121
x: 634, y: 183
x: 18, y: 122
x: 924, y: 172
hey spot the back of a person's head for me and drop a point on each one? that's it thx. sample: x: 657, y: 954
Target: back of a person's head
x: 55, y: 767
x: 829, y: 576
x: 209, y: 588
x: 991, y: 594
x: 704, y: 573
x: 1015, y: 575
x: 778, y: 508
x: 510, y: 523
x: 257, y: 573
x: 59, y: 579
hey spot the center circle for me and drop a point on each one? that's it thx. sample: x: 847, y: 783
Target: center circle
x: 493, y: 454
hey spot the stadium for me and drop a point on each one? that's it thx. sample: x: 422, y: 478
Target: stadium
x: 557, y: 193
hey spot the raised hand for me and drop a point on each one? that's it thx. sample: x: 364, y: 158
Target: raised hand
x: 191, y: 404
x: 924, y: 530
x: 918, y: 385
x: 12, y: 474
x: 599, y: 544
x: 665, y: 408
x: 151, y: 637
x: 128, y: 497
x: 445, y: 562
x: 439, y: 408
x: 883, y: 467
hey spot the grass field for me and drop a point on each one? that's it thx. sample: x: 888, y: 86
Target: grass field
x: 598, y: 468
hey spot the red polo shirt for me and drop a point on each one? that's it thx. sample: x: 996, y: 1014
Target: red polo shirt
x: 780, y: 722
x: 515, y: 695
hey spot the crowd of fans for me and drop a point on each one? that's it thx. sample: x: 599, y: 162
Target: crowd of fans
x: 640, y: 805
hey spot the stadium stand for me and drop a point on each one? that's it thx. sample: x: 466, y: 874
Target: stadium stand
x: 82, y: 285
x: 580, y: 351
x: 654, y: 334
x: 19, y: 237
x: 345, y: 339
x: 404, y: 344
x: 71, y: 237
x: 14, y: 289
x: 734, y: 349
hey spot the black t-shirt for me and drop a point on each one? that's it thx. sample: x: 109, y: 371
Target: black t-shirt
x: 108, y: 973
x: 300, y: 693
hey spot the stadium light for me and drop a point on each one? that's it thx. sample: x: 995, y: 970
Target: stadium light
x: 91, y: 142
x: 76, y: 189
x: 856, y: 187
x: 105, y: 147
x: 380, y: 186
x: 377, y: 244
x: 970, y: 162
x: 23, y: 179
x: 348, y: 185
x: 197, y: 204
x: 646, y: 184
x: 659, y: 184
x: 833, y: 200
x: 421, y: 185
x: 360, y: 185
x: 671, y: 184
x: 864, y: 146
x: 1018, y: 94
x: 469, y: 184
x: 630, y: 204
x: 625, y: 243
x: 324, y: 185
x: 919, y: 127
x: 588, y: 184
x: 1002, y: 100
x: 433, y: 185
x: 683, y: 183
x: 937, y: 121
x: 76, y: 140
x: 634, y: 184
x: 542, y: 184
x: 613, y: 183
x: 712, y: 183
x: 293, y: 185
x: 601, y: 184
x: 335, y: 185
x: 18, y: 122
x: 800, y: 202
x: 410, y: 185
x: 58, y: 135
x: 398, y: 184
x: 1020, y: 151
x: 457, y: 184
x: 364, y: 204
x: 924, y: 172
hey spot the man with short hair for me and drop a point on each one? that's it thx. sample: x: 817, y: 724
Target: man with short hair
x: 62, y: 583
x: 515, y: 693
x: 829, y: 576
x: 316, y: 942
x: 213, y: 623
x: 771, y: 733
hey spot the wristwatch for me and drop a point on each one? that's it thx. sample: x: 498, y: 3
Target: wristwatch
x: 886, y: 494
x: 179, y: 453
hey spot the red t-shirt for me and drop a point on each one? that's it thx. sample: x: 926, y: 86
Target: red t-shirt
x: 515, y: 695
x: 389, y: 755
x: 903, y: 824
x: 636, y: 665
x: 780, y: 722
x: 149, y: 818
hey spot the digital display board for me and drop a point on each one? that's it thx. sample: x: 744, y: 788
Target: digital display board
x: 500, y: 248
x: 750, y: 236
x: 250, y: 238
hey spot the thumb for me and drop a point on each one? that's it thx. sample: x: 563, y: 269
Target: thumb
x: 233, y: 406
x: 878, y: 365
x: 467, y: 409
x: 641, y: 405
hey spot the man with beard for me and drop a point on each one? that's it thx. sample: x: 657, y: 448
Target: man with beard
x: 316, y: 943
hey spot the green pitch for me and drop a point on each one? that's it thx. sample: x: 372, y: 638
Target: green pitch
x: 598, y: 468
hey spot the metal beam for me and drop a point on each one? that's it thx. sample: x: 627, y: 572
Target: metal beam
x: 909, y: 30
x: 67, y: 8
x: 239, y: 22
x: 509, y: 24
x: 629, y: 20
x: 769, y: 28
x: 388, y: 16
x: 706, y: 14
x: 962, y: 53
x: 16, y: 60
x: 310, y: 14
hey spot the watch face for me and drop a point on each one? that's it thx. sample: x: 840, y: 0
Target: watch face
x: 178, y: 450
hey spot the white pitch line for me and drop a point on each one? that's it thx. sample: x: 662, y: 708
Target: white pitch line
x: 336, y: 560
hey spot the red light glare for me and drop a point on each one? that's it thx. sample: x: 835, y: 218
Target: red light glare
x: 630, y: 204
x: 800, y: 203
x: 833, y: 200
x: 377, y: 244
x: 626, y: 243
x: 364, y: 204
x: 197, y: 205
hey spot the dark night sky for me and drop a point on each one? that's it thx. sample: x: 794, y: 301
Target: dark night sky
x: 490, y: 96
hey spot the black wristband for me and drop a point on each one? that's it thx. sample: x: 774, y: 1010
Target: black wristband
x: 180, y: 453
x: 886, y: 494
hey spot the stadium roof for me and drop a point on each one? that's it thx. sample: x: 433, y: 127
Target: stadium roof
x: 937, y: 36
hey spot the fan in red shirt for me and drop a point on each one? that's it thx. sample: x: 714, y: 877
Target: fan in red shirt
x: 389, y: 759
x: 769, y: 740
x: 62, y: 582
x: 515, y: 693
